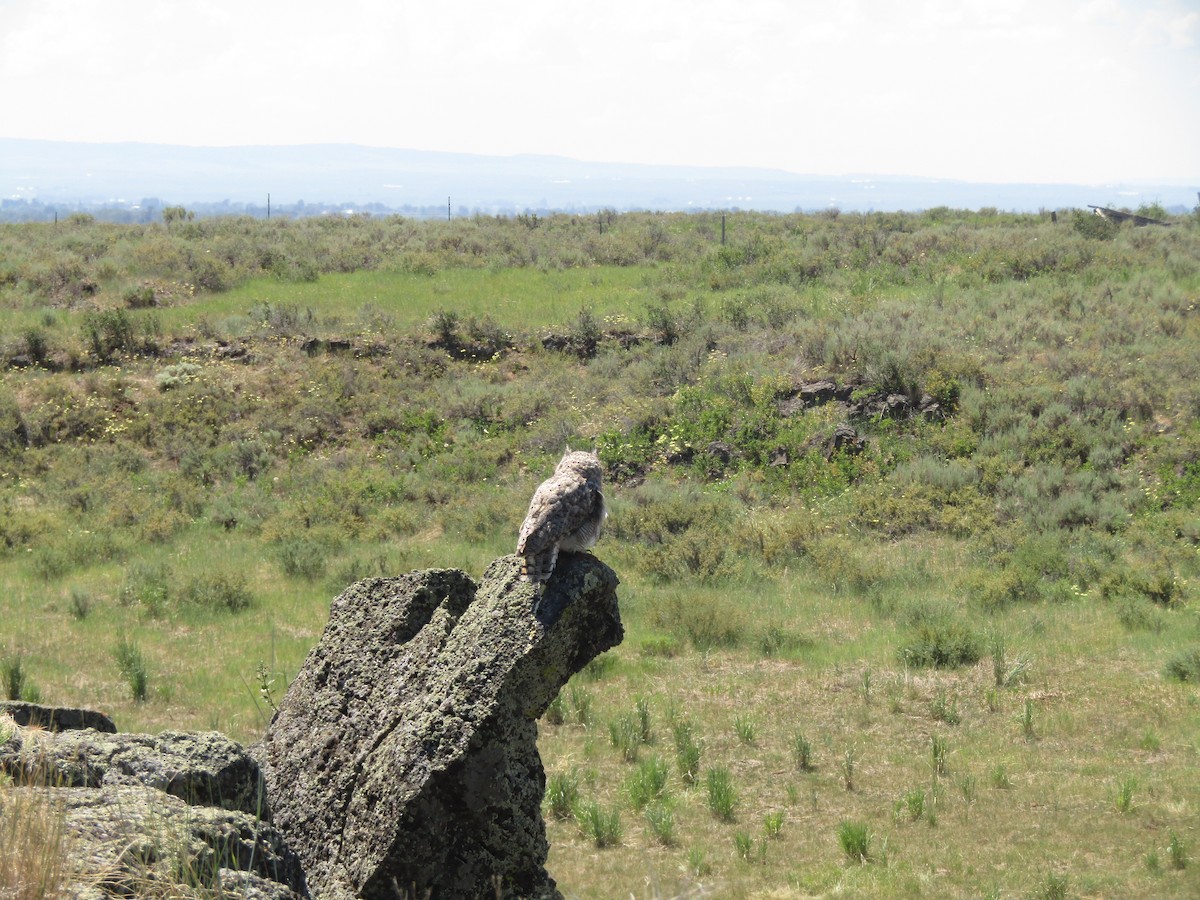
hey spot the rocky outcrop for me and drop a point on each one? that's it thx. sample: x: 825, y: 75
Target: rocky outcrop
x: 402, y: 761
x: 403, y: 757
x: 202, y: 769
x: 142, y: 812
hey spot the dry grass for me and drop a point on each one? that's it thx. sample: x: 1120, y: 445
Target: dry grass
x: 1101, y: 716
x: 33, y: 841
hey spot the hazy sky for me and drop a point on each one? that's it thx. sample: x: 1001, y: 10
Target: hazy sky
x: 990, y: 90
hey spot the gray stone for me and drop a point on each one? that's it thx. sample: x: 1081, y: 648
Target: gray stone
x: 126, y: 839
x: 205, y: 768
x: 404, y: 755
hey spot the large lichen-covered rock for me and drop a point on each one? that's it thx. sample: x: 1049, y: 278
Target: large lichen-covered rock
x: 204, y: 769
x: 131, y: 840
x: 174, y: 814
x: 403, y: 757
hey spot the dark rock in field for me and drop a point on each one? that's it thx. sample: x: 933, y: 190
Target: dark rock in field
x: 239, y: 351
x: 313, y: 346
x: 403, y: 757
x: 813, y: 394
x: 843, y: 439
x: 55, y: 718
x: 721, y: 452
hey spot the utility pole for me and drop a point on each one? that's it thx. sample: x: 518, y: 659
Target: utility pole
x: 268, y: 205
x: 447, y: 209
x: 722, y: 229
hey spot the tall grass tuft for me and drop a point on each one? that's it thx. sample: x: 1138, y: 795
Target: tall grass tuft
x: 802, y: 751
x: 132, y: 666
x: 722, y: 799
x: 13, y: 676
x: 855, y: 841
x: 687, y: 750
x: 648, y: 782
x: 660, y: 816
x: 602, y: 826
x: 562, y: 794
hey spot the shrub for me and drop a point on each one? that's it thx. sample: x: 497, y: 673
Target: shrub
x: 218, y: 591
x: 146, y: 586
x: 302, y: 558
x: 1094, y: 226
x: 1184, y: 666
x: 175, y: 375
x: 109, y: 332
x: 941, y: 645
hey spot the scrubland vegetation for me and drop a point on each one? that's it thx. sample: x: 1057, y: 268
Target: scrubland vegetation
x: 929, y: 630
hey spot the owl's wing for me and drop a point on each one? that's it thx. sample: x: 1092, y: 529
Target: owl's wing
x: 559, y: 506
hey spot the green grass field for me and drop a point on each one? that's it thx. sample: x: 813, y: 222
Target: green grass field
x: 962, y: 661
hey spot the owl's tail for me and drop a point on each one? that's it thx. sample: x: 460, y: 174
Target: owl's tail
x: 538, y: 568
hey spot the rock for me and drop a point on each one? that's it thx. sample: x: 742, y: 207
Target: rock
x: 126, y: 838
x: 202, y: 769
x: 843, y: 439
x: 813, y: 394
x: 166, y: 815
x: 403, y: 757
x: 721, y: 451
x: 55, y: 718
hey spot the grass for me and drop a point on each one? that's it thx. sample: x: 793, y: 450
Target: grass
x: 1014, y: 577
x: 34, y: 845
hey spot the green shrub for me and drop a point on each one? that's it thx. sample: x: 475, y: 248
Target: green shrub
x: 945, y: 644
x: 147, y: 586
x: 217, y: 591
x: 1184, y: 666
x: 302, y: 558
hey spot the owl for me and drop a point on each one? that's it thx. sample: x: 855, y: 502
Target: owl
x: 566, y: 513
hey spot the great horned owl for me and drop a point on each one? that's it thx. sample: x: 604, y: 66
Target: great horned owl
x: 566, y: 513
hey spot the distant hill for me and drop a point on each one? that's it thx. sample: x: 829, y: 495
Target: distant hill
x: 48, y: 174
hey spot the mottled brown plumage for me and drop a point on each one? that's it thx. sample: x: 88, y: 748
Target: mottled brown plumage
x: 566, y: 513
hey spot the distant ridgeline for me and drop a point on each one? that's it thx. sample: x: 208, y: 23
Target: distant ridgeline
x: 45, y: 180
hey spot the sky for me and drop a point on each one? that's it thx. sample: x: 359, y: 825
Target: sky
x: 1043, y: 91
